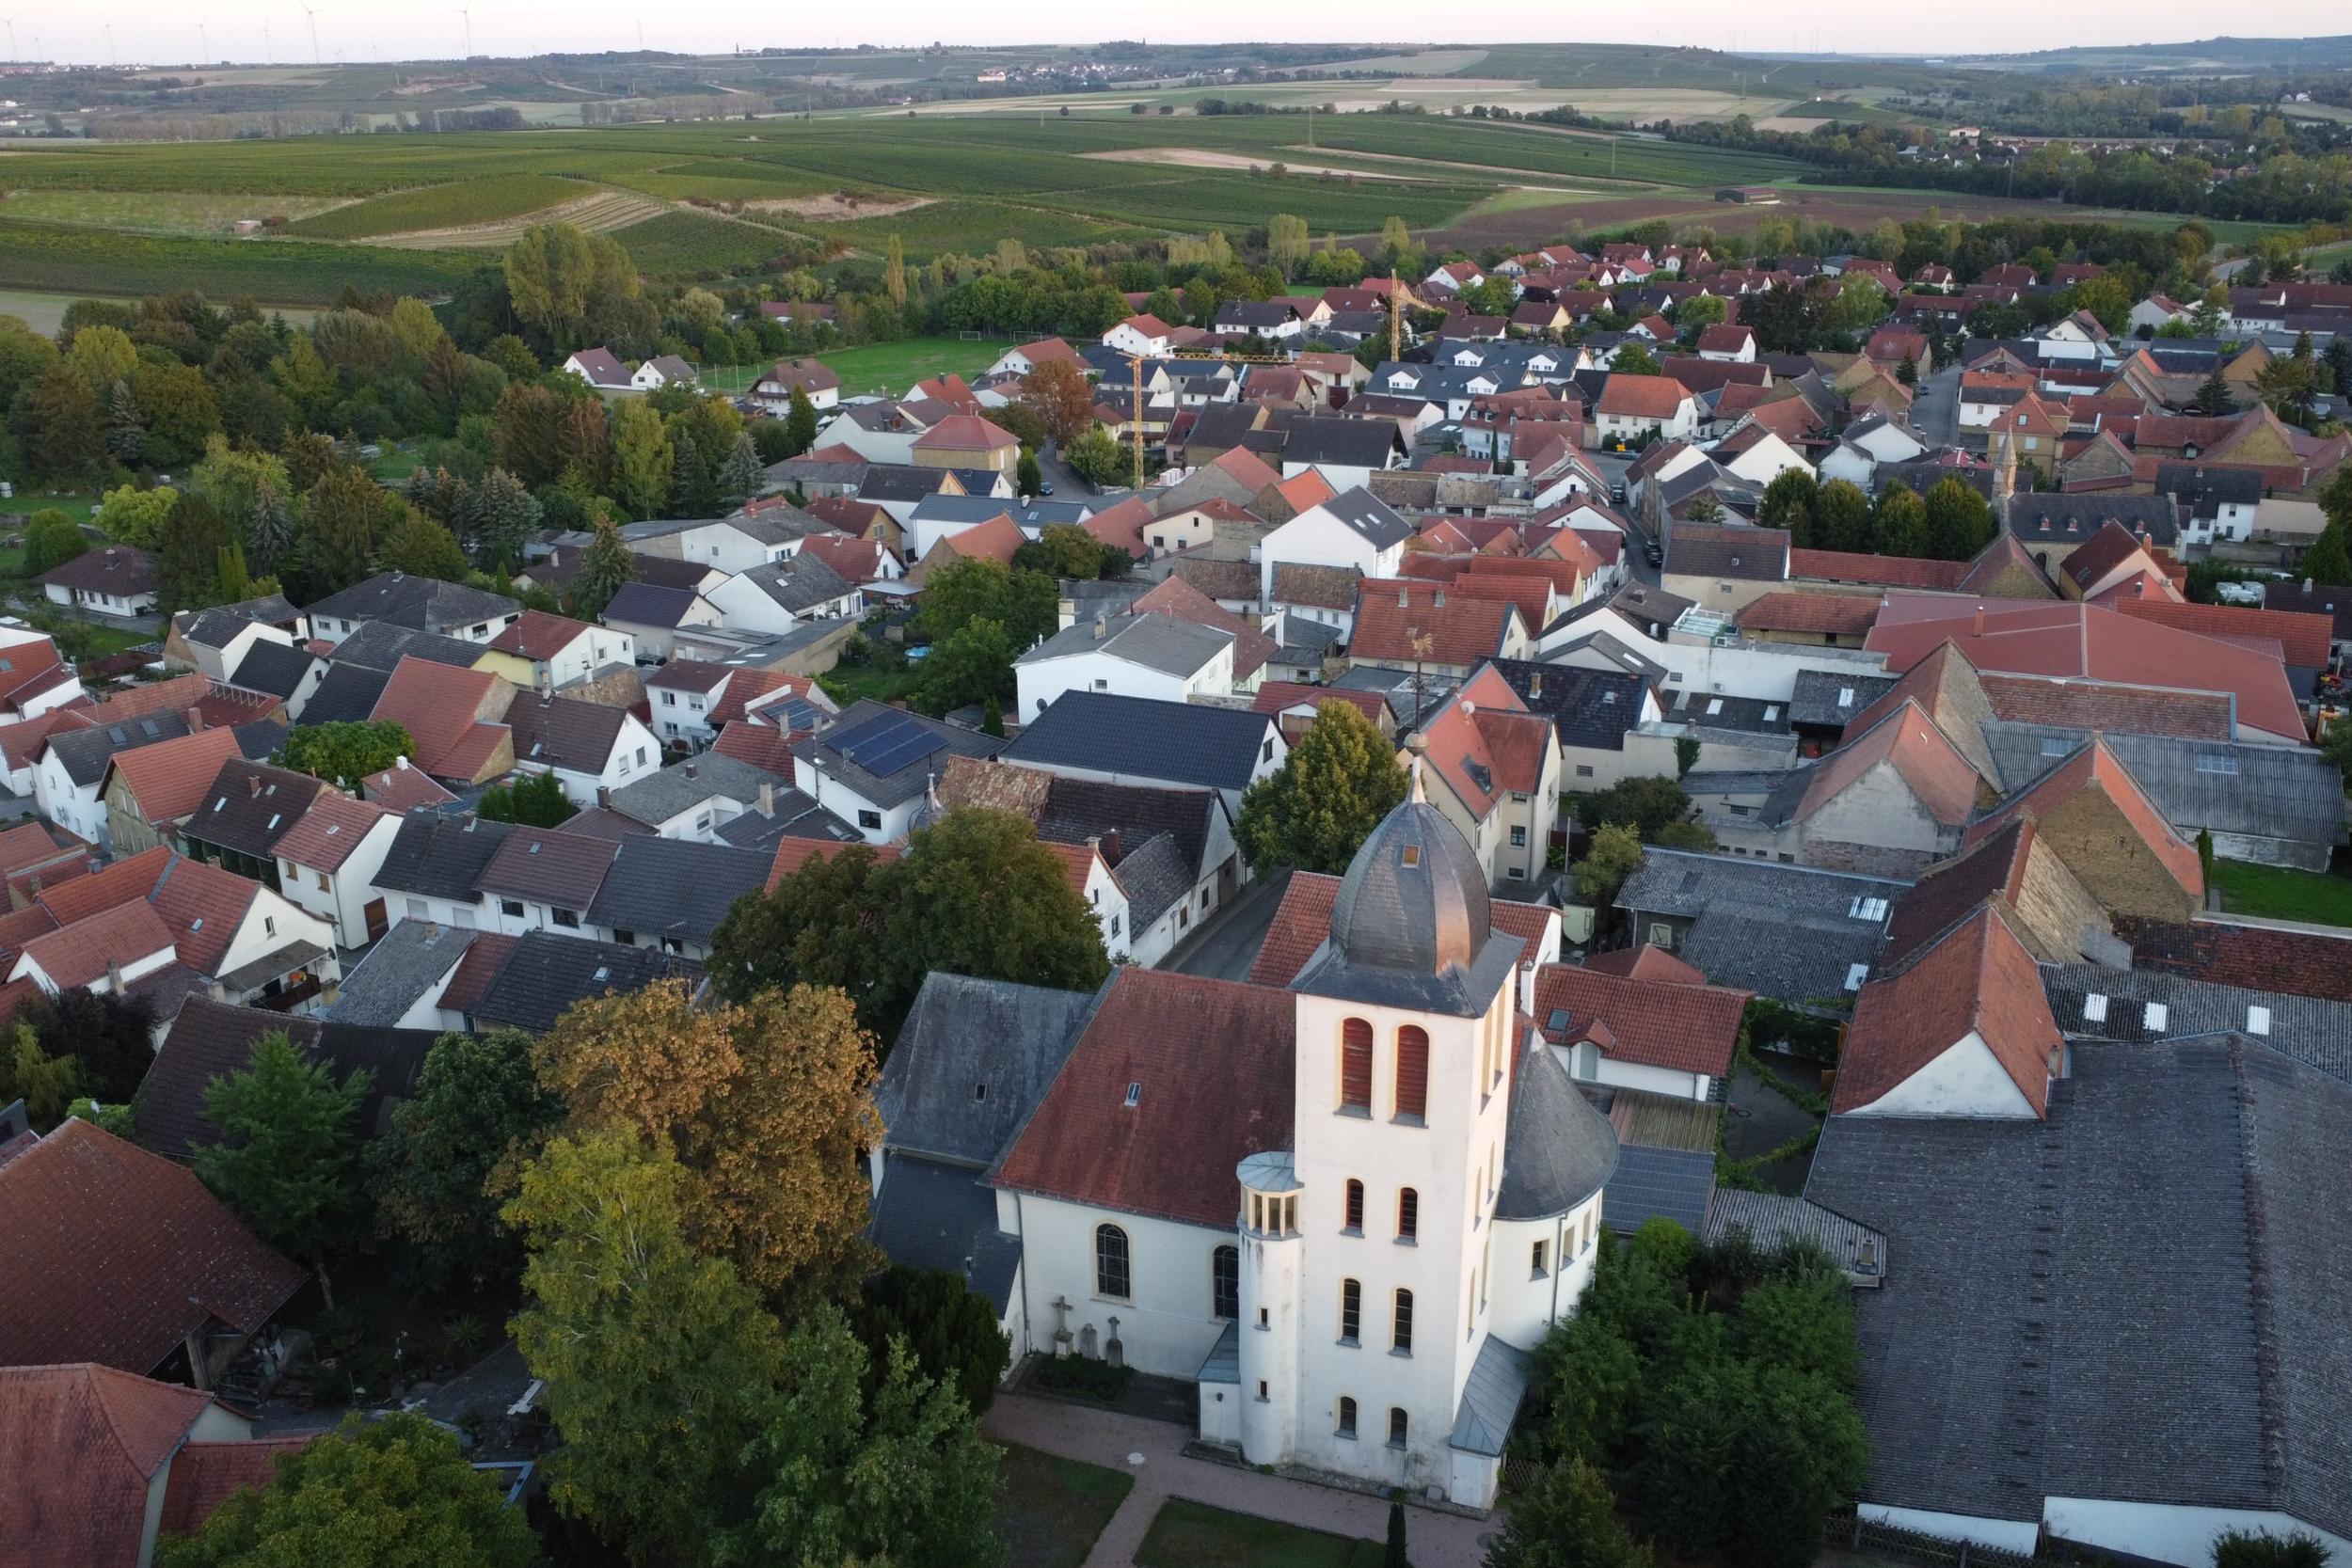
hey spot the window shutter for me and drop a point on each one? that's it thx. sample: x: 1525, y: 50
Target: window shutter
x: 1355, y: 1064
x: 1412, y: 1072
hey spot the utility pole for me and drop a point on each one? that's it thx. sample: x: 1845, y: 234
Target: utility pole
x: 1136, y: 365
x: 1396, y: 318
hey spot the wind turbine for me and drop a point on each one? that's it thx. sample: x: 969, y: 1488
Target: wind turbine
x: 112, y: 58
x: 269, y: 50
x: 11, y: 37
x: 313, y: 12
x: 466, y: 11
x: 204, y: 37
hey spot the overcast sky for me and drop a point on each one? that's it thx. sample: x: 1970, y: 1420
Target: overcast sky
x: 167, y: 31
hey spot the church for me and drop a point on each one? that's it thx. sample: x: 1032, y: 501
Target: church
x: 1345, y: 1208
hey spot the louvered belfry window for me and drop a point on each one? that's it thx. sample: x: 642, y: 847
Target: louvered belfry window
x: 1412, y: 1072
x: 1356, y: 1065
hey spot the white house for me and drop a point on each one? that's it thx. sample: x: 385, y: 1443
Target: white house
x: 660, y: 371
x: 1145, y: 335
x: 813, y: 378
x: 2079, y: 338
x: 112, y: 579
x: 545, y: 650
x: 1354, y: 528
x: 599, y: 368
x: 1134, y: 656
x: 1759, y: 455
x: 782, y: 595
x: 327, y: 862
x: 588, y: 746
x: 1633, y: 407
x: 1023, y: 357
x: 2155, y: 313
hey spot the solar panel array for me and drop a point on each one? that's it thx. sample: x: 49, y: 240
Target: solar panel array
x: 886, y: 744
x: 798, y: 715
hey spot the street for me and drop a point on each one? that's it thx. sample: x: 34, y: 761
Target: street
x: 1226, y: 947
x: 1935, y: 409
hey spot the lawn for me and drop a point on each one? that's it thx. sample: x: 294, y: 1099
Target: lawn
x: 850, y: 683
x: 2275, y: 892
x: 1194, y: 1535
x: 893, y: 368
x: 1052, y: 1508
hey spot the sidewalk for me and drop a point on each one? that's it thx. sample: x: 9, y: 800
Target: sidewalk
x: 1106, y: 1438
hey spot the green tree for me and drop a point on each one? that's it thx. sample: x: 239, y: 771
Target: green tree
x: 951, y: 1329
x: 47, y: 1084
x: 1029, y: 478
x: 287, y: 1160
x: 1901, y: 523
x: 1317, y: 809
x: 1959, y: 522
x: 109, y: 1035
x: 345, y: 750
x: 1097, y: 459
x: 895, y: 274
x: 2213, y: 397
x: 902, y: 1476
x: 234, y: 480
x: 1631, y: 358
x: 694, y: 490
x: 815, y: 927
x: 574, y: 288
x: 642, y: 460
x: 1790, y: 503
x: 1645, y: 804
x: 346, y: 515
x: 1394, y: 1554
x: 1565, y: 1520
x: 477, y: 1113
x: 417, y: 545
x: 99, y: 356
x: 187, y: 567
x: 1287, y: 242
x: 971, y: 664
x: 133, y: 516
x: 1842, y: 517
x: 64, y: 434
x: 126, y: 434
x: 800, y: 424
x: 605, y: 564
x: 651, y: 1352
x: 177, y: 407
x: 535, y: 800
x: 1026, y: 604
x: 1686, y: 756
x: 1615, y: 854
x: 743, y: 475
x: 2261, y: 1549
x: 395, y: 1492
x: 52, y: 539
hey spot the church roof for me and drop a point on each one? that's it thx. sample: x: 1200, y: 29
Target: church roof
x: 1559, y: 1149
x: 1412, y: 926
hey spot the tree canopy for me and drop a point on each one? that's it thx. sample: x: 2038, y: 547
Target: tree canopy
x: 287, y: 1159
x: 439, y: 1175
x: 1333, y: 789
x: 345, y: 750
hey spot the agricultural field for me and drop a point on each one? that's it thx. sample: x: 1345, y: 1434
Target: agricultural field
x: 54, y: 257
x: 463, y: 204
x: 153, y: 212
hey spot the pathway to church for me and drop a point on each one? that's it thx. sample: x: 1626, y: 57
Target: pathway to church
x: 1106, y: 1437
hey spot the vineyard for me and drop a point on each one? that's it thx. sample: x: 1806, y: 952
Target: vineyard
x: 460, y: 205
x: 98, y: 261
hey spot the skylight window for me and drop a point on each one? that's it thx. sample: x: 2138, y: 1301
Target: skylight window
x: 2258, y: 1021
x: 1868, y: 909
x: 2156, y: 1014
x: 2094, y: 1008
x: 1714, y: 706
x: 1854, y: 974
x: 2215, y: 762
x: 1135, y: 1092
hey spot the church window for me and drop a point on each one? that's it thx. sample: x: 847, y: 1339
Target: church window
x: 1407, y: 1214
x: 1356, y: 1065
x: 1351, y: 1312
x: 1401, y: 1337
x: 1225, y: 1282
x: 1413, y: 1072
x: 1111, y: 1276
x: 1355, y: 1205
x: 1347, y: 1417
x: 1396, y: 1426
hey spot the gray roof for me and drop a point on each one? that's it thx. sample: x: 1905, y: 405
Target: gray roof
x: 1224, y: 1360
x: 1560, y: 1152
x: 1128, y: 817
x: 971, y: 1061
x: 564, y: 732
x: 1154, y: 876
x: 1490, y: 1399
x: 791, y: 815
x: 1771, y: 1219
x: 2312, y: 1031
x: 550, y: 971
x: 801, y: 581
x: 1590, y: 709
x: 1658, y: 1184
x: 683, y: 785
x: 1372, y: 518
x: 1030, y: 515
x: 1783, y: 931
x: 2163, y: 1257
x: 1816, y: 698
x: 426, y: 604
x: 673, y: 889
x: 85, y: 752
x: 2281, y: 792
x: 406, y: 962
x: 901, y: 481
x: 1412, y: 924
x: 382, y: 644
x: 2055, y: 517
x: 441, y: 857
x: 1146, y: 740
x: 1305, y: 636
x: 930, y: 1215
x: 347, y: 694
x: 1167, y: 643
x: 276, y: 668
x: 863, y: 729
x: 646, y: 604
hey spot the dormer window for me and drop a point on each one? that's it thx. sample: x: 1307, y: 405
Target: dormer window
x: 1410, y: 855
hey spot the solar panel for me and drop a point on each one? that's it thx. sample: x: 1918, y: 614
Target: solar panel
x: 795, y: 713
x: 886, y: 744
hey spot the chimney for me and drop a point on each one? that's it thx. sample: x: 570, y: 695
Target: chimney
x: 196, y: 719
x: 1535, y: 684
x: 691, y: 769
x: 1101, y: 626
x: 114, y: 976
x: 2306, y: 585
x: 604, y: 795
x: 253, y: 785
x: 1978, y: 627
x: 401, y: 763
x: 766, y: 798
x: 1470, y: 709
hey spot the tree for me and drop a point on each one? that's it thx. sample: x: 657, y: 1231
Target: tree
x: 100, y: 356
x: 648, y: 1348
x: 177, y: 407
x: 287, y: 1160
x: 133, y: 516
x: 971, y: 664
x: 2214, y: 396
x: 1097, y: 459
x: 1842, y: 517
x: 348, y: 514
x: 234, y: 480
x: 1901, y: 523
x: 1645, y: 804
x: 815, y: 927
x: 1316, y: 810
x: 391, y: 1493
x: 187, y: 567
x: 2261, y: 1549
x: 605, y: 564
x: 52, y: 539
x: 895, y: 274
x: 799, y: 423
x: 948, y: 1327
x: 1631, y: 358
x: 1565, y: 1520
x: 767, y: 1102
x: 417, y: 545
x: 534, y: 799
x: 902, y: 1476
x: 574, y: 288
x: 345, y: 750
x: 1029, y: 479
x: 126, y: 436
x: 1686, y: 756
x: 1023, y: 603
x: 1959, y: 522
x: 64, y: 434
x: 47, y: 1084
x: 478, y: 1113
x: 1063, y: 398
x: 1615, y: 854
x: 1394, y: 1556
x: 1790, y: 503
x: 742, y: 474
x: 643, y: 459
x: 109, y: 1035
x: 1287, y: 242
x: 2329, y: 560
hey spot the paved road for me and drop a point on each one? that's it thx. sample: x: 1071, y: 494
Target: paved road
x: 1226, y: 947
x: 1935, y: 412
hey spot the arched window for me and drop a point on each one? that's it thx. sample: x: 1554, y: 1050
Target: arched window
x: 1355, y: 1205
x: 1408, y: 1214
x: 1396, y: 1426
x: 1413, y: 1072
x: 1351, y: 1312
x: 1347, y: 1417
x: 1401, y: 1339
x: 1225, y: 1282
x: 1111, y: 1277
x: 1356, y: 1065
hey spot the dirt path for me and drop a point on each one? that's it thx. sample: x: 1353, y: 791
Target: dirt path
x: 598, y: 213
x: 1191, y: 157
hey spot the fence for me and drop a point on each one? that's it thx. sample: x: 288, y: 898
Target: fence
x: 1882, y: 1540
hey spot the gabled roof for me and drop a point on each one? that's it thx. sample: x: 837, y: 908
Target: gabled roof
x: 1942, y: 778
x: 1590, y: 709
x: 1164, y: 643
x: 116, y: 569
x: 1977, y: 978
x: 402, y: 789
x: 2096, y: 769
x: 543, y: 973
x: 1395, y: 616
x: 116, y: 1255
x: 560, y: 870
x: 1728, y: 550
x: 250, y: 806
x: 2304, y: 638
x: 564, y: 732
x: 965, y: 433
x: 1818, y: 614
x: 673, y: 889
x: 436, y: 706
x: 538, y: 634
x: 169, y: 779
x: 1485, y: 744
x: 1253, y: 647
x: 1209, y: 1064
x: 1642, y: 397
x: 1367, y: 517
x: 441, y: 857
x: 424, y: 604
x: 81, y: 1445
x: 1146, y: 740
x: 1663, y: 1024
x: 972, y: 1061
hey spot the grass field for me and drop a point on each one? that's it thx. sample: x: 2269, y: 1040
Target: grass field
x: 2275, y: 892
x: 1186, y: 1534
x: 1052, y: 1509
x: 882, y: 367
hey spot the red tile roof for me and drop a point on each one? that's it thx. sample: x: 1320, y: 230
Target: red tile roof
x: 116, y: 1255
x: 324, y: 836
x: 794, y: 853
x: 1828, y: 614
x: 1979, y: 978
x: 965, y: 433
x: 1212, y: 1062
x: 2100, y: 706
x: 1460, y: 631
x: 477, y: 971
x: 1486, y: 729
x: 83, y: 953
x: 1648, y: 962
x: 537, y: 634
x: 1304, y: 919
x: 436, y: 703
x: 404, y: 788
x: 1530, y: 593
x: 993, y: 540
x: 764, y: 746
x: 858, y: 560
x: 1643, y: 397
x: 2302, y: 636
x: 2253, y: 958
x: 1274, y: 696
x: 1670, y: 1024
x: 1246, y: 467
x: 21, y: 744
x: 206, y: 1475
x: 1890, y: 571
x: 1306, y: 490
x: 170, y: 776
x: 1940, y: 777
x: 79, y: 1445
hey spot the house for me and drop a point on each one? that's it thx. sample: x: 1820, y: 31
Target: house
x: 1422, y: 627
x: 1347, y: 451
x: 670, y: 894
x: 1889, y: 802
x: 1144, y: 335
x: 876, y: 767
x: 456, y: 718
x: 691, y: 700
x: 1492, y: 769
x: 786, y: 593
x: 1121, y: 740
x: 1121, y: 1161
x: 529, y: 982
x: 653, y: 616
x: 214, y: 640
x: 1161, y: 657
x: 150, y: 790
x: 599, y: 368
x: 418, y: 604
x: 1274, y: 319
x: 2217, y: 505
x: 1724, y: 566
x: 1638, y: 408
x: 662, y: 371
x: 1727, y: 341
x: 431, y: 870
x: 698, y: 798
x: 968, y: 441
x: 1023, y: 357
x: 102, y: 1462
x: 546, y: 652
x: 1793, y: 933
x: 1597, y: 718
x: 1815, y: 620
x: 327, y: 865
x: 542, y: 880
x: 588, y: 746
x: 1353, y: 531
x: 112, y: 579
x: 812, y: 378
x: 1677, y: 1037
x: 244, y: 812
x: 124, y: 1260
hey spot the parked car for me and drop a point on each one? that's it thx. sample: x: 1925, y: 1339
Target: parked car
x: 1657, y: 556
x: 1617, y: 493
x: 1044, y: 487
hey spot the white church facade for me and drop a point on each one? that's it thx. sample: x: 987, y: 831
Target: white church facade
x: 1345, y: 1209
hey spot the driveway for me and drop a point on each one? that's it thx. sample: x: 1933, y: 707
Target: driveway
x: 1226, y: 947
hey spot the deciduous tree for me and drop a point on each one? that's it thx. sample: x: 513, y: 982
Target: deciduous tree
x: 642, y: 460
x: 1615, y: 854
x: 1567, y: 1519
x: 52, y: 539
x: 442, y: 1173
x: 346, y: 751
x: 287, y: 1159
x: 1063, y: 398
x: 1317, y: 809
x: 575, y: 289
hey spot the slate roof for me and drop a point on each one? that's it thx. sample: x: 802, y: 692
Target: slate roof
x: 2163, y: 1256
x: 971, y: 1062
x: 1728, y: 550
x: 1126, y: 817
x: 208, y: 1040
x: 930, y: 1216
x: 404, y: 964
x: 1784, y: 932
x: 382, y: 644
x: 84, y: 753
x: 800, y: 582
x: 2053, y: 517
x: 1298, y: 582
x: 441, y: 857
x: 1303, y: 923
x: 347, y: 695
x: 1822, y: 696
x: 2221, y: 786
x: 276, y: 668
x: 250, y: 807
x: 1142, y: 739
x: 683, y: 785
x: 545, y: 972
x: 646, y: 604
x: 116, y: 1255
x: 560, y: 870
x: 2143, y: 1006
x: 1365, y: 515
x: 1560, y: 1152
x: 1773, y: 1219
x: 1348, y: 444
x: 1212, y: 1065
x: 426, y: 604
x: 116, y: 569
x: 569, y: 732
x: 1652, y: 1182
x: 673, y: 889
x: 1589, y: 709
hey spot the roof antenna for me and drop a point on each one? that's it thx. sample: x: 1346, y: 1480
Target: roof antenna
x: 1417, y: 744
